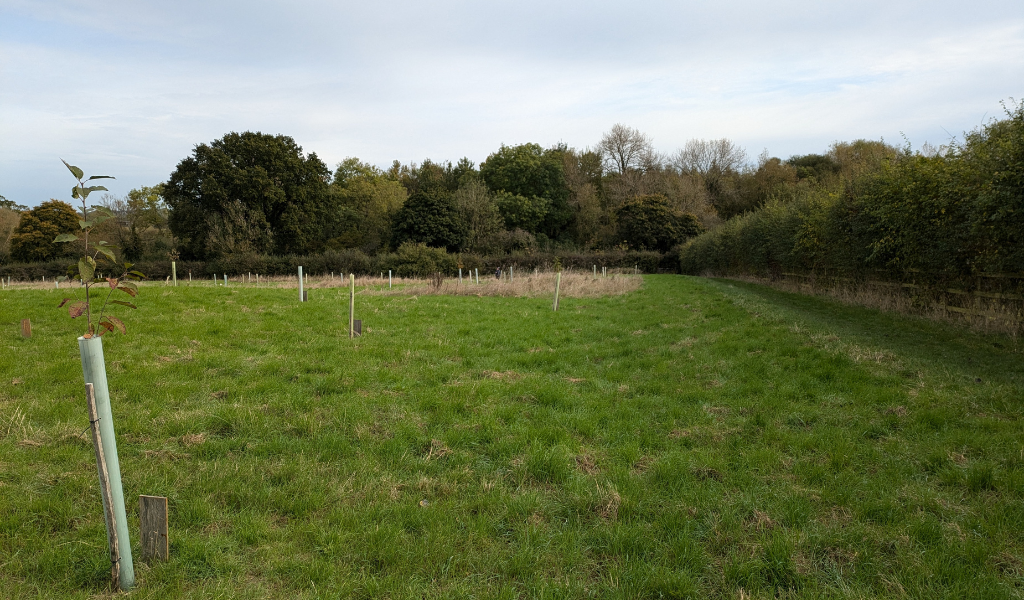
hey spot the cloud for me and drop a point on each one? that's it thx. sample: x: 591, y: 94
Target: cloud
x: 128, y: 88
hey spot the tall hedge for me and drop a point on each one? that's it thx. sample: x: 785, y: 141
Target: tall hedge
x: 953, y: 216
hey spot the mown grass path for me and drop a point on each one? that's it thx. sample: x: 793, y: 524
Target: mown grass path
x: 693, y: 439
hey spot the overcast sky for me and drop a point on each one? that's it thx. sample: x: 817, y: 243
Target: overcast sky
x: 129, y: 87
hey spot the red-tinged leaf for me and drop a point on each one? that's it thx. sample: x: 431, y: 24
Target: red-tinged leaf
x: 128, y: 291
x: 123, y: 303
x: 77, y: 309
x: 117, y: 323
x: 112, y: 282
x: 107, y: 326
x: 63, y: 302
x: 87, y: 335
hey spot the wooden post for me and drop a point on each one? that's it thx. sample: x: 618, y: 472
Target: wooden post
x: 153, y: 521
x: 302, y: 297
x: 26, y: 328
x: 105, y: 494
x: 352, y: 305
x: 174, y: 273
x: 558, y: 283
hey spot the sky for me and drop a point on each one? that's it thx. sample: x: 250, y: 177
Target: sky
x: 129, y: 87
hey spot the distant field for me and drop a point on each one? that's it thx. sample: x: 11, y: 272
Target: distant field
x: 690, y: 439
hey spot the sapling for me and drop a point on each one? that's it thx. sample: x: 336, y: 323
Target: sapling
x: 90, y: 346
x: 96, y: 253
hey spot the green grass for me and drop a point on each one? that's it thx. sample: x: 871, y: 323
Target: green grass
x: 694, y: 439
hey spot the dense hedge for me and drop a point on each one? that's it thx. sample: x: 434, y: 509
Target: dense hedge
x: 953, y: 216
x: 410, y: 260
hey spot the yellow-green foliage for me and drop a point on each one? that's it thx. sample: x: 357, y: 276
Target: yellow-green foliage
x: 33, y: 238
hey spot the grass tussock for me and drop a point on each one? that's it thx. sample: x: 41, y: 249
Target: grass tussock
x: 534, y: 285
x: 999, y: 317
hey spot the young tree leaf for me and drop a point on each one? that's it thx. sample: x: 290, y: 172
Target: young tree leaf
x: 74, y: 192
x: 85, y: 224
x: 78, y: 173
x: 117, y: 323
x: 123, y: 303
x: 137, y: 274
x: 99, y: 219
x: 128, y: 291
x: 93, y: 188
x: 65, y: 237
x: 113, y: 282
x: 99, y: 177
x: 86, y: 268
x: 63, y: 302
x: 130, y: 285
x: 105, y: 252
x: 106, y: 326
x: 77, y: 309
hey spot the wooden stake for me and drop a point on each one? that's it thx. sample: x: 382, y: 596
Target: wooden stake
x: 558, y: 283
x: 26, y: 328
x: 352, y: 306
x: 153, y: 521
x: 108, y: 507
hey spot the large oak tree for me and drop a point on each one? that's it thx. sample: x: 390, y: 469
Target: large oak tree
x: 249, y: 192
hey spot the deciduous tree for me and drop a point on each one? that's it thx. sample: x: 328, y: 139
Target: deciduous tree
x: 33, y: 238
x: 276, y: 194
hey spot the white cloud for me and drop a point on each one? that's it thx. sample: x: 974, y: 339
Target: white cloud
x: 128, y: 88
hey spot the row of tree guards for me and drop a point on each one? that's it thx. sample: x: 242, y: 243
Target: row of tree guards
x: 153, y: 509
x: 6, y: 282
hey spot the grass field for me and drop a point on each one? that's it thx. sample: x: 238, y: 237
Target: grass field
x: 691, y: 439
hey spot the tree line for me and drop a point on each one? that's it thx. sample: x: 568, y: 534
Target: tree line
x: 252, y: 193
